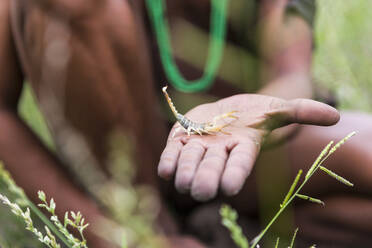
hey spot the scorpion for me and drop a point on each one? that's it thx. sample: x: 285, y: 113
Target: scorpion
x: 191, y: 127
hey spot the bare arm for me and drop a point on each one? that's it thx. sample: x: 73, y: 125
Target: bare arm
x: 285, y: 51
x: 285, y: 46
x: 30, y: 163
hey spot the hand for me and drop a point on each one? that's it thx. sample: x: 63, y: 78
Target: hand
x: 202, y: 164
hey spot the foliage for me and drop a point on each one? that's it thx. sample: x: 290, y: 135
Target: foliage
x: 30, y: 113
x: 59, y: 230
x: 49, y: 239
x: 76, y: 222
x: 342, y: 51
x: 131, y: 223
x: 229, y: 216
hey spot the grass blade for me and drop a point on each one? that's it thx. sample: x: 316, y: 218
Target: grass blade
x: 292, y: 188
x: 308, y: 198
x: 337, y: 177
x: 277, y: 243
x: 323, y: 153
x: 293, y: 238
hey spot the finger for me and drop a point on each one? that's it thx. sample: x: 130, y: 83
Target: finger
x: 305, y: 111
x: 168, y: 159
x: 190, y: 157
x: 302, y: 111
x: 238, y: 167
x: 208, y: 175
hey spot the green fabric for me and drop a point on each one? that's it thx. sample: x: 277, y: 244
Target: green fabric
x: 305, y: 8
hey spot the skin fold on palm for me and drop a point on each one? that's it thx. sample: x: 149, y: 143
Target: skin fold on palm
x: 203, y: 164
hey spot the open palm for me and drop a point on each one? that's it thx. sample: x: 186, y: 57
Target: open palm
x: 202, y: 164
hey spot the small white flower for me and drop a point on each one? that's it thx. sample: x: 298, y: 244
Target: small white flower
x: 41, y: 195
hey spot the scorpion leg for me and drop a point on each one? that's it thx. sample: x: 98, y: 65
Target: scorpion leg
x: 224, y: 116
x: 176, y: 131
x: 199, y: 132
x: 216, y: 129
x: 188, y: 131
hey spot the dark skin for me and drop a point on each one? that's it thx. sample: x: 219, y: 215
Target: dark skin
x: 109, y: 71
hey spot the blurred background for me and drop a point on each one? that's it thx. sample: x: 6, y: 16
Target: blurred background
x: 342, y: 59
x: 342, y: 63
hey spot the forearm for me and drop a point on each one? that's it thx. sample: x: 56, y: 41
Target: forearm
x: 34, y: 168
x: 285, y: 68
x: 285, y: 65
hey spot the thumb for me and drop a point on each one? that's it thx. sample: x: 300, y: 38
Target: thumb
x: 302, y: 111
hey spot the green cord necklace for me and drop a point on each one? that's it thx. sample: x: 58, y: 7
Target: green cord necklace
x: 218, y: 31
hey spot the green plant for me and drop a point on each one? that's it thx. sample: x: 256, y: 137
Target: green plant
x: 49, y: 239
x: 76, y: 222
x: 53, y: 227
x: 229, y: 216
x: 130, y: 224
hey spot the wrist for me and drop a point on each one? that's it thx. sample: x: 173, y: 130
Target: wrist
x: 289, y: 86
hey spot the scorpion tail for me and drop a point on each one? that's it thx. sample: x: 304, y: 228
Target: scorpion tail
x: 169, y: 100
